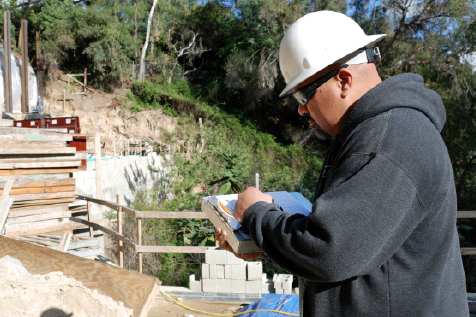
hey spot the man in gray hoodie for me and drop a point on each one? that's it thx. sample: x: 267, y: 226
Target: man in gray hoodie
x: 381, y: 239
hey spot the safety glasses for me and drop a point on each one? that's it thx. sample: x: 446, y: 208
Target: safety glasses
x: 304, y: 94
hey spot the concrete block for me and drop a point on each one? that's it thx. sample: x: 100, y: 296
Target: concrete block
x: 213, y: 270
x: 232, y: 259
x: 296, y: 290
x: 287, y: 291
x: 228, y: 271
x: 224, y: 286
x: 205, y: 271
x: 267, y: 287
x: 255, y: 271
x: 195, y: 283
x: 287, y: 283
x: 238, y: 286
x: 279, y: 291
x: 238, y: 272
x: 253, y: 287
x: 215, y: 256
x: 209, y: 285
x: 283, y: 281
x: 220, y: 271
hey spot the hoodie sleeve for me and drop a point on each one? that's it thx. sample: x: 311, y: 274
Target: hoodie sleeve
x: 355, y: 226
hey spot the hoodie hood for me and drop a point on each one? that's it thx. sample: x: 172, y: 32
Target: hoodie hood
x: 401, y: 91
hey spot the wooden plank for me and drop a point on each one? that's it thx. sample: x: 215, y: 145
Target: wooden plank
x: 31, y: 132
x: 54, y: 228
x: 171, y: 214
x: 90, y: 218
x: 37, y: 224
x: 41, y: 202
x: 105, y: 230
x: 5, y: 203
x: 467, y: 214
x: 26, y: 183
x: 36, y: 210
x: 21, y: 197
x: 97, y: 156
x: 39, y: 190
x: 66, y: 163
x: 35, y: 218
x: 130, y: 287
x: 468, y: 251
x: 39, y: 241
x: 20, y: 150
x: 35, y: 177
x: 32, y: 144
x: 170, y: 249
x: 25, y: 137
x: 64, y: 243
x: 129, y: 211
x: 38, y: 158
x: 37, y: 171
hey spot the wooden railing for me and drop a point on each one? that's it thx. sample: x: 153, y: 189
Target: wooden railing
x: 467, y: 214
x: 139, y: 215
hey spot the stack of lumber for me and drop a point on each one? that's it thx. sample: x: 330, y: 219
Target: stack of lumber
x: 41, y: 165
x: 76, y: 244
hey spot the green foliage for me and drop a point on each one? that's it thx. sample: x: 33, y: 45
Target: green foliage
x: 233, y: 174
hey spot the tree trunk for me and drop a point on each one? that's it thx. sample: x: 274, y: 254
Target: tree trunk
x: 144, y: 48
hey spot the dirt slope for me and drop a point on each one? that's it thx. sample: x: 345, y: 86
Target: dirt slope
x: 106, y: 113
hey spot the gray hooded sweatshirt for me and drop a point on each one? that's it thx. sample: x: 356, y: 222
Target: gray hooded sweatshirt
x: 381, y: 239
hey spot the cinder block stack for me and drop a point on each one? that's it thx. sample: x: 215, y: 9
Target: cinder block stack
x: 283, y: 284
x: 222, y: 272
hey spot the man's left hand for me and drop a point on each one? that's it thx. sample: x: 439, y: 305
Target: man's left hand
x: 247, y: 198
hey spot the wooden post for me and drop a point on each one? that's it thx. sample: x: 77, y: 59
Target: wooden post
x: 24, y: 58
x: 128, y: 149
x: 90, y: 218
x: 38, y: 66
x: 119, y: 230
x: 64, y: 98
x: 7, y: 42
x: 97, y: 155
x: 85, y: 80
x: 139, y: 243
x: 114, y: 150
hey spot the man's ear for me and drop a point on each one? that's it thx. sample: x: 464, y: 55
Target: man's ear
x: 345, y: 79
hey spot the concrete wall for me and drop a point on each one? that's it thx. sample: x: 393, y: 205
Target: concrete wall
x: 123, y: 175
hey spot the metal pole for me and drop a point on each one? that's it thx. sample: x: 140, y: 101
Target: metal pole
x: 24, y: 58
x: 7, y: 42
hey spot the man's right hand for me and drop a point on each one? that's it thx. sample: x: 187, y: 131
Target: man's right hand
x: 220, y: 236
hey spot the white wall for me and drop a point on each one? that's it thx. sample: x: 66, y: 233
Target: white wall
x: 120, y: 176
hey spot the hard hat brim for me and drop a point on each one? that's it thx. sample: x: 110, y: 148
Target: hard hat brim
x: 372, y: 39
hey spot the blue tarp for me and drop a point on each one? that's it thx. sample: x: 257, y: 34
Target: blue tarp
x: 285, y: 303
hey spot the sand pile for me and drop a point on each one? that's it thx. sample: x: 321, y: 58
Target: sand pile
x: 51, y: 295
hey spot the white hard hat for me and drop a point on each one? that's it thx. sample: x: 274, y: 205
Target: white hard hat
x: 320, y: 39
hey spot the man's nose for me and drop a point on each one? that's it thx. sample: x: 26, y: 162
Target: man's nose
x: 303, y: 109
